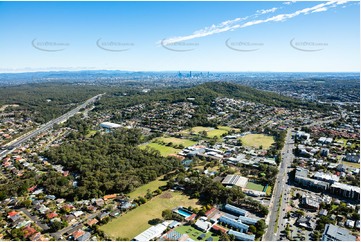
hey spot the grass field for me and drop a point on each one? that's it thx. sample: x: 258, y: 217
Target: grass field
x: 211, y: 132
x: 256, y: 140
x: 198, y: 129
x: 164, y: 150
x: 136, y: 221
x: 91, y: 133
x: 142, y: 190
x: 351, y: 164
x: 176, y: 141
x: 255, y: 186
x: 269, y: 190
x: 216, y: 132
x: 194, y: 233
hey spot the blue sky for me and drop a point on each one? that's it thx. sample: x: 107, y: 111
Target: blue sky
x: 198, y: 36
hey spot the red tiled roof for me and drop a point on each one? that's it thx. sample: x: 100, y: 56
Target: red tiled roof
x: 31, y: 189
x: 78, y: 233
x: 92, y: 222
x: 51, y: 215
x: 111, y: 196
x: 219, y: 228
x: 28, y: 231
x: 210, y: 211
x: 191, y: 217
x: 12, y: 213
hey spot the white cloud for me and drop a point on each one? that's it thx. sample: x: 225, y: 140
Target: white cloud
x: 264, y: 11
x: 319, y: 10
x: 231, y: 25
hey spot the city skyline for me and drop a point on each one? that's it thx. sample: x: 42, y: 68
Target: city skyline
x: 187, y: 36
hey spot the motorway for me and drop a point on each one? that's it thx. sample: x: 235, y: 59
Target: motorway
x: 19, y: 141
x: 281, y: 192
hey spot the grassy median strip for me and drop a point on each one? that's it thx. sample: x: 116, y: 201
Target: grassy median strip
x: 278, y: 214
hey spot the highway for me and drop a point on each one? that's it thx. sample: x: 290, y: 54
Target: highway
x: 281, y: 192
x: 19, y: 141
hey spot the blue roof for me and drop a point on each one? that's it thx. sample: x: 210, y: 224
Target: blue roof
x: 242, y: 236
x: 248, y: 220
x: 173, y: 235
x: 234, y: 223
x: 235, y: 209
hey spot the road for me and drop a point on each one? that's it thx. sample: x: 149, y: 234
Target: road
x: 281, y: 192
x: 35, y: 219
x: 57, y: 235
x: 19, y: 141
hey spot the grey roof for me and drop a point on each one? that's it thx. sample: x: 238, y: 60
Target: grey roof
x: 301, y: 172
x: 242, y: 236
x: 332, y: 233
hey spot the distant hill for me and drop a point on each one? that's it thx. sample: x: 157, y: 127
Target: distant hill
x: 205, y: 93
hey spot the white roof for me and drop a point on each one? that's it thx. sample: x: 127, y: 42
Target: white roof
x: 110, y: 125
x: 151, y: 233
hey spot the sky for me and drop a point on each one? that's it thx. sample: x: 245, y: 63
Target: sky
x: 238, y: 36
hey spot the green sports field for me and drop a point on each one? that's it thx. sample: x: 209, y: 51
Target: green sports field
x: 135, y: 221
x: 164, y: 150
x: 177, y: 141
x: 194, y: 233
x: 254, y: 186
x: 257, y: 140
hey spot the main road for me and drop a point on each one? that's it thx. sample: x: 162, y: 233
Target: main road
x: 19, y: 141
x: 281, y: 192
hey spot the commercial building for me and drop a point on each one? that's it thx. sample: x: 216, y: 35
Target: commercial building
x: 241, y: 236
x: 235, y: 180
x: 345, y: 190
x: 234, y: 223
x: 151, y: 233
x: 335, y: 233
x: 235, y: 210
x: 247, y: 220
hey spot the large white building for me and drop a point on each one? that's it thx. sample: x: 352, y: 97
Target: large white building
x: 151, y: 233
x: 235, y: 180
x: 109, y: 125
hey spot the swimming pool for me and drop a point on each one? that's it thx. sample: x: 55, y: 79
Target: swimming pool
x: 183, y: 212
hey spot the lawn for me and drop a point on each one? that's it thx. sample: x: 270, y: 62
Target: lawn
x: 256, y: 140
x: 90, y: 133
x: 211, y: 132
x: 177, y: 141
x: 198, y: 129
x: 142, y: 190
x: 194, y: 233
x: 164, y: 150
x: 351, y: 164
x: 255, y: 186
x: 135, y: 221
x: 269, y: 190
x: 216, y: 132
